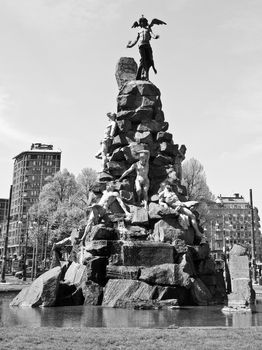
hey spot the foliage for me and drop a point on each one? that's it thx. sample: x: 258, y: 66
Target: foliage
x: 63, y: 203
x: 194, y: 179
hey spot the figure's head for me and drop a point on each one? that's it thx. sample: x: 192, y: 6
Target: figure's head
x: 143, y: 157
x: 111, y: 116
x: 143, y: 22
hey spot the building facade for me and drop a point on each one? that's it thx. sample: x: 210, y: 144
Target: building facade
x: 3, y: 220
x: 31, y: 168
x: 232, y: 224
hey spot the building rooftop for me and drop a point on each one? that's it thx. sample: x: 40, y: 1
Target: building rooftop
x: 39, y: 148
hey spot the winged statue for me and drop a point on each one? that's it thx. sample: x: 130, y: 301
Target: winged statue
x: 143, y: 38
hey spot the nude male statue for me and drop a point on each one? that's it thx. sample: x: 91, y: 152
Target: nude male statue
x: 107, y: 140
x: 101, y: 209
x: 142, y: 182
x: 167, y: 197
x: 143, y: 39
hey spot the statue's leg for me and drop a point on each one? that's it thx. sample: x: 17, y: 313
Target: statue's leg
x: 138, y: 189
x: 193, y: 221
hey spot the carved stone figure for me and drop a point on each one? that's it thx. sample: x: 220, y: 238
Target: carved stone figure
x: 143, y: 39
x: 107, y: 140
x: 101, y: 209
x: 142, y: 182
x: 178, y: 161
x: 169, y: 198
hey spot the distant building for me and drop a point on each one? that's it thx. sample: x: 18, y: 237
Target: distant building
x: 3, y: 217
x: 232, y: 224
x: 31, y: 169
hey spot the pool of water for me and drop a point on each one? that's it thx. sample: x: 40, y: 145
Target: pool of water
x: 93, y: 316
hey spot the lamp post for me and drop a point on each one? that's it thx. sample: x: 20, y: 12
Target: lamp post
x: 25, y: 250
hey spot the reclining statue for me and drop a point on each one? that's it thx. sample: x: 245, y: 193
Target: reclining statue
x: 168, y: 198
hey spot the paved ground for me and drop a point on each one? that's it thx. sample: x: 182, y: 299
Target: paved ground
x: 13, y: 284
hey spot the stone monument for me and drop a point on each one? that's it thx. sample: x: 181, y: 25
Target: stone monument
x: 143, y: 246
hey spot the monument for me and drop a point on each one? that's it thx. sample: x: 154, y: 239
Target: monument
x: 143, y: 246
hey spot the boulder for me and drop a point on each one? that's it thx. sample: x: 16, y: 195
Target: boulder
x: 181, y: 294
x: 102, y: 232
x: 168, y: 230
x: 127, y: 293
x: 42, y: 291
x: 137, y: 232
x: 146, y: 253
x: 126, y: 70
x: 239, y: 266
x: 97, y: 248
x: 74, y: 273
x: 96, y: 269
x: 199, y: 292
x: 93, y: 293
x: 164, y: 136
x: 123, y: 272
x: 139, y: 215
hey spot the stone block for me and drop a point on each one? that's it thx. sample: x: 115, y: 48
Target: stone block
x: 162, y: 160
x: 159, y: 116
x: 74, y: 273
x: 141, y: 114
x: 242, y: 286
x: 154, y: 211
x: 238, y: 250
x: 163, y: 136
x: 126, y: 293
x: 144, y: 137
x: 207, y: 267
x: 97, y: 248
x: 93, y: 293
x: 200, y: 293
x: 96, y: 269
x: 42, y: 291
x: 117, y: 155
x: 139, y: 215
x: 102, y: 232
x: 239, y: 266
x: 152, y: 126
x: 200, y: 252
x: 116, y: 168
x: 129, y: 101
x: 146, y: 253
x: 181, y: 294
x: 168, y: 148
x: 126, y: 70
x: 123, y: 272
x: 168, y: 230
x: 139, y: 87
x: 137, y: 232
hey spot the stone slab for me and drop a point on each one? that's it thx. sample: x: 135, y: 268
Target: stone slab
x: 143, y: 253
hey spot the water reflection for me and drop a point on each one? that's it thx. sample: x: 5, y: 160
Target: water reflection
x: 88, y: 316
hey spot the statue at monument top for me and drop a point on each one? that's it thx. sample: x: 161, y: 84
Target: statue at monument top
x: 143, y: 39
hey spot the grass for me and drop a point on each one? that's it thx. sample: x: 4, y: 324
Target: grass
x: 46, y: 338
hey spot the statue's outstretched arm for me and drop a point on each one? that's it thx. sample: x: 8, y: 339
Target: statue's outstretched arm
x: 128, y: 171
x: 132, y: 43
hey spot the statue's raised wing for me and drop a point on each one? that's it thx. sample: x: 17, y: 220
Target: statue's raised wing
x: 136, y: 24
x: 156, y: 21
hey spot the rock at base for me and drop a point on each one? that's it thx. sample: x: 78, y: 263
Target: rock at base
x: 139, y: 215
x: 200, y: 293
x: 42, y: 291
x: 93, y: 293
x: 127, y: 293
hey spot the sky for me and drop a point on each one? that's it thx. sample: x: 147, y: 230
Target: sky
x: 57, y: 83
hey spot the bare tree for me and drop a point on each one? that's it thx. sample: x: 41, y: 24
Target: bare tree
x: 194, y: 179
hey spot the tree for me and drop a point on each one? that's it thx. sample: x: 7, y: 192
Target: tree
x: 85, y: 183
x: 194, y: 179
